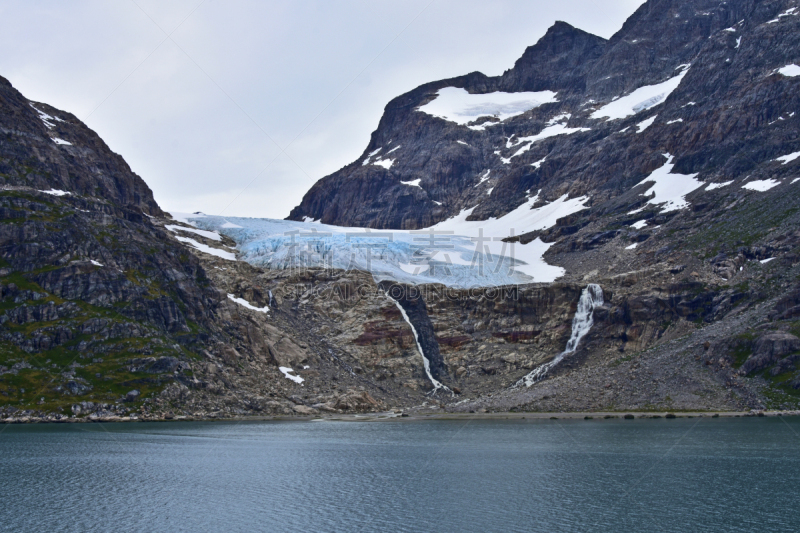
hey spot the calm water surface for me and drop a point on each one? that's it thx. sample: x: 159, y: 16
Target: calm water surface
x: 548, y: 475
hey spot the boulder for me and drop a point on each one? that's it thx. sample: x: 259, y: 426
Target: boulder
x: 132, y: 396
x: 304, y: 410
x: 769, y: 349
x: 356, y: 401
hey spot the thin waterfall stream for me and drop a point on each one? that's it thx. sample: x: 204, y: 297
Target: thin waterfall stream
x: 591, y: 297
x: 436, y: 383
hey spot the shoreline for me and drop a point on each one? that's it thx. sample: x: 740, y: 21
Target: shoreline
x: 415, y: 416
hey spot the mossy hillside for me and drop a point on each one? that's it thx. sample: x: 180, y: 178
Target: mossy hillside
x: 98, y: 363
x: 105, y: 372
x: 745, y: 224
x: 779, y: 390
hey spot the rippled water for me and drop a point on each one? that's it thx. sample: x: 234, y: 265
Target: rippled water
x: 549, y: 475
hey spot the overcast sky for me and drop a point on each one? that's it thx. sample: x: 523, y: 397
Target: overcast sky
x: 238, y: 107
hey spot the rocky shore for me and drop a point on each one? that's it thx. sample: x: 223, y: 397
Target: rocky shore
x: 410, y: 415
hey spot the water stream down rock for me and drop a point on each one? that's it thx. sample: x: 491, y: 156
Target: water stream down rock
x: 431, y: 361
x: 591, y: 297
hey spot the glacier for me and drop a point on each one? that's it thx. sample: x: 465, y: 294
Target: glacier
x: 456, y: 252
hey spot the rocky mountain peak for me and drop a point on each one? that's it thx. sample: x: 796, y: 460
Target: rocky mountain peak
x: 555, y: 61
x: 60, y: 152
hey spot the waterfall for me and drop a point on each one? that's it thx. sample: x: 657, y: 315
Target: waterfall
x: 436, y: 383
x: 582, y: 322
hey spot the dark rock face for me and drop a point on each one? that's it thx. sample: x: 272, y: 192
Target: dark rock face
x: 557, y: 62
x: 714, y: 123
x: 58, y: 151
x: 414, y: 305
x: 770, y: 349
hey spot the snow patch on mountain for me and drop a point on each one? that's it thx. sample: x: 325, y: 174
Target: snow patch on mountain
x: 56, y: 192
x: 385, y: 163
x: 370, y: 156
x: 538, y: 163
x: 787, y: 13
x: 457, y: 105
x: 245, y: 303
x: 761, y: 185
x: 787, y: 158
x: 712, y: 186
x: 790, y: 70
x: 214, y: 236
x: 287, y: 371
x: 484, y: 177
x: 45, y: 118
x: 643, y: 125
x: 222, y: 254
x: 641, y: 99
x: 669, y: 190
x: 549, y: 131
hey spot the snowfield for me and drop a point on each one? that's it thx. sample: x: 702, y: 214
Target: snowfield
x: 712, y: 186
x: 213, y: 235
x: 459, y: 106
x: 641, y: 99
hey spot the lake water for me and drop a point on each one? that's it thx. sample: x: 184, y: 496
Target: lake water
x: 698, y: 474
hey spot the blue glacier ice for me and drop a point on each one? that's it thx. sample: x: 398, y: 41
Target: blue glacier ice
x: 456, y: 253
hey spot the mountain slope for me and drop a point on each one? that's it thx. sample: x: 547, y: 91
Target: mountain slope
x: 680, y: 135
x: 106, y: 305
x: 674, y: 146
x: 727, y: 52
